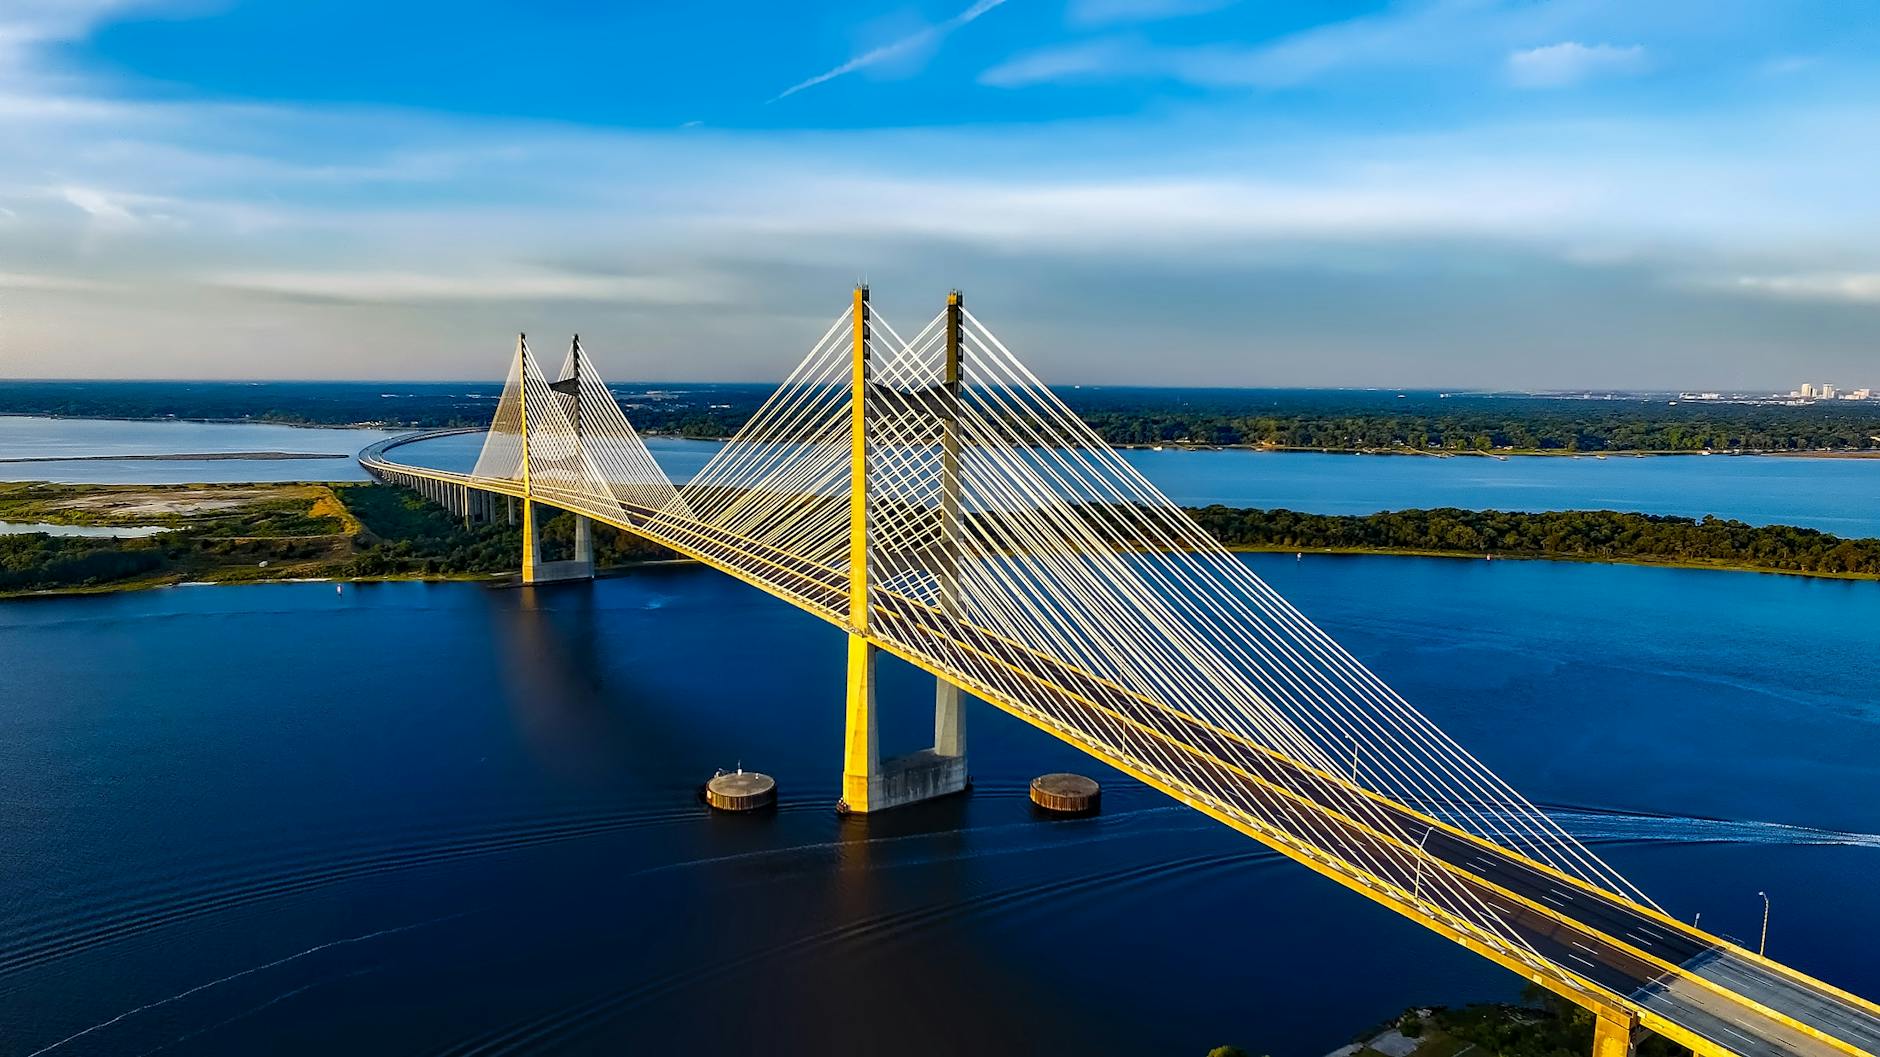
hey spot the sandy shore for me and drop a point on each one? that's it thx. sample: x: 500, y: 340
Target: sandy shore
x: 209, y: 456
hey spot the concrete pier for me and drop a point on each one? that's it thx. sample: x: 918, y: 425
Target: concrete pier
x: 741, y: 790
x: 1066, y: 794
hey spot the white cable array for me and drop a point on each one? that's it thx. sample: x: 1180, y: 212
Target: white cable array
x: 501, y: 457
x: 631, y: 474
x: 1079, y: 634
x: 1009, y: 545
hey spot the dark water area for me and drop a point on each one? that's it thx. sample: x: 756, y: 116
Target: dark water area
x: 445, y: 818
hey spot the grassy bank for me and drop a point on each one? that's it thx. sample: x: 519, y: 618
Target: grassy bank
x: 257, y: 532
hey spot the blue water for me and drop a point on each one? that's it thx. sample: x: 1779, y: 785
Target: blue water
x: 404, y: 818
x: 76, y: 443
x: 1835, y: 495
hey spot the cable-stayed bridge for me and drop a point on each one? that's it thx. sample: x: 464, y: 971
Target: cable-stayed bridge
x: 931, y: 498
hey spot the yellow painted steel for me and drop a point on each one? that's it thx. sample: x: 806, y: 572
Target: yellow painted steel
x: 858, y: 466
x: 528, y: 512
x: 1612, y: 1036
x: 861, y: 745
x: 861, y: 748
x: 949, y: 713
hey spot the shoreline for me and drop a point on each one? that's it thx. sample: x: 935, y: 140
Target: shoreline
x: 1500, y: 454
x: 1406, y: 552
x: 496, y: 581
x: 211, y: 456
x: 507, y: 580
x: 1435, y: 453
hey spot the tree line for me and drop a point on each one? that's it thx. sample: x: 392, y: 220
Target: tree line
x: 1606, y: 535
x: 1506, y: 424
x: 1321, y: 419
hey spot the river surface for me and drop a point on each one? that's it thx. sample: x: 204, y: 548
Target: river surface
x: 1841, y: 496
x: 447, y: 818
x: 81, y: 450
x: 1835, y: 495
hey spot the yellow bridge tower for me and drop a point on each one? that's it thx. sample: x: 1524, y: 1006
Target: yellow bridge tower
x: 869, y: 782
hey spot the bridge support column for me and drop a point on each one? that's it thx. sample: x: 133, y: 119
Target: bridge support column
x: 584, y: 542
x: 949, y: 717
x: 870, y: 783
x: 1613, y: 1035
x: 580, y: 567
x: 861, y: 744
x: 531, y: 543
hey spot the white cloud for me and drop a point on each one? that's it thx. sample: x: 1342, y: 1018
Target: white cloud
x: 413, y: 287
x: 1110, y: 12
x: 1071, y: 62
x: 1846, y: 287
x: 458, y: 227
x: 904, y: 46
x: 1570, y: 62
x: 106, y: 207
x: 1786, y: 65
x: 1407, y: 35
x: 34, y: 281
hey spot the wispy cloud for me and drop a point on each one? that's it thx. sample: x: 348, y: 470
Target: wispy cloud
x: 1845, y: 287
x: 906, y: 45
x: 1093, y: 58
x: 513, y: 285
x: 43, y: 281
x: 1570, y: 62
x: 1414, y: 34
x: 1111, y: 12
x: 1785, y: 65
x: 330, y: 234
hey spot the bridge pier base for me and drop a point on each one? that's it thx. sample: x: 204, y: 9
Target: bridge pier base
x: 537, y: 571
x: 871, y: 783
x: 584, y: 542
x: 1613, y: 1036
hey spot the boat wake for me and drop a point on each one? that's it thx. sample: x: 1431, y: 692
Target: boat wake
x: 1614, y: 827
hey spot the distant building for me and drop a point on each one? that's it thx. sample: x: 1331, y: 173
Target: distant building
x: 1861, y: 394
x: 1826, y: 392
x: 1807, y: 391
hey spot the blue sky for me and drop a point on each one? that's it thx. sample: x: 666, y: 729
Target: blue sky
x: 1499, y: 193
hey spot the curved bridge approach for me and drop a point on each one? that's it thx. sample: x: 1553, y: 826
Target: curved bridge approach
x: 930, y: 498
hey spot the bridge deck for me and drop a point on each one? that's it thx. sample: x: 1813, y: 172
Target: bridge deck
x: 1682, y: 983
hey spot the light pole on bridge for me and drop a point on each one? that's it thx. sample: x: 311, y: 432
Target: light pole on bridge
x: 1763, y: 945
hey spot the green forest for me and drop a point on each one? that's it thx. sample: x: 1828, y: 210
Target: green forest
x: 1512, y: 425
x: 1598, y: 535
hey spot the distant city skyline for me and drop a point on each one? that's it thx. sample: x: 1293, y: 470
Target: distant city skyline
x: 1468, y: 194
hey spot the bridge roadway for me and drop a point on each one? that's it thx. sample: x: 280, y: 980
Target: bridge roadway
x: 1681, y: 983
